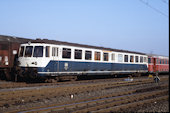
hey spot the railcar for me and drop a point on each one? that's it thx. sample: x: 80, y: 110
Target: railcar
x: 54, y: 60
x: 9, y: 47
x: 157, y: 63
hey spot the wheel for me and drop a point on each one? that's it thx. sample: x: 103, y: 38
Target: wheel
x: 50, y: 80
x: 74, y: 78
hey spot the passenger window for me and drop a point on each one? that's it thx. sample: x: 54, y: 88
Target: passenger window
x: 131, y: 58
x: 78, y: 54
x: 105, y: 56
x: 157, y: 61
x: 55, y: 51
x: 126, y: 58
x: 88, y: 55
x: 47, y: 51
x: 21, y: 51
x: 113, y: 57
x: 4, y: 46
x: 97, y: 55
x: 38, y: 51
x: 0, y: 59
x: 145, y: 59
x: 120, y: 58
x: 141, y: 59
x: 28, y: 51
x: 136, y: 59
x: 66, y: 53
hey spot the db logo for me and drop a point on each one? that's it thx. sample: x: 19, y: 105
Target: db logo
x: 66, y: 66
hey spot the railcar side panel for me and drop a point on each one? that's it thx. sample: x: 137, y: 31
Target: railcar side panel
x: 85, y: 67
x: 158, y: 64
x: 59, y: 60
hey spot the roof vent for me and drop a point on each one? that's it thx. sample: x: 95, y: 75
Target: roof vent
x: 38, y: 38
x: 29, y: 42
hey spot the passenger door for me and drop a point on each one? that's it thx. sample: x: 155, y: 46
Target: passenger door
x: 154, y: 64
x: 55, y: 56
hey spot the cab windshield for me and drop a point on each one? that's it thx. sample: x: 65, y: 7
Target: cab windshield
x: 38, y: 51
x: 21, y: 51
x: 28, y: 51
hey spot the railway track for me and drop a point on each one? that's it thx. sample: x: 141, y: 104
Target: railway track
x: 109, y: 103
x: 20, y: 97
x: 8, y: 85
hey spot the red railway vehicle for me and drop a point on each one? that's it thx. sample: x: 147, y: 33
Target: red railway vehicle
x: 9, y: 47
x: 158, y: 64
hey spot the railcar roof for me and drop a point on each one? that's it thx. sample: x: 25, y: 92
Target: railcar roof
x: 82, y: 45
x: 157, y: 56
x: 4, y: 38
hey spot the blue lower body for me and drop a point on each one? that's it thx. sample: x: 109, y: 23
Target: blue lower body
x: 56, y: 67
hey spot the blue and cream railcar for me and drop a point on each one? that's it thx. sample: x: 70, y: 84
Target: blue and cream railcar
x: 54, y: 60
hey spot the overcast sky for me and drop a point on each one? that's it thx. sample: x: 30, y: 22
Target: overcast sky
x: 134, y: 25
